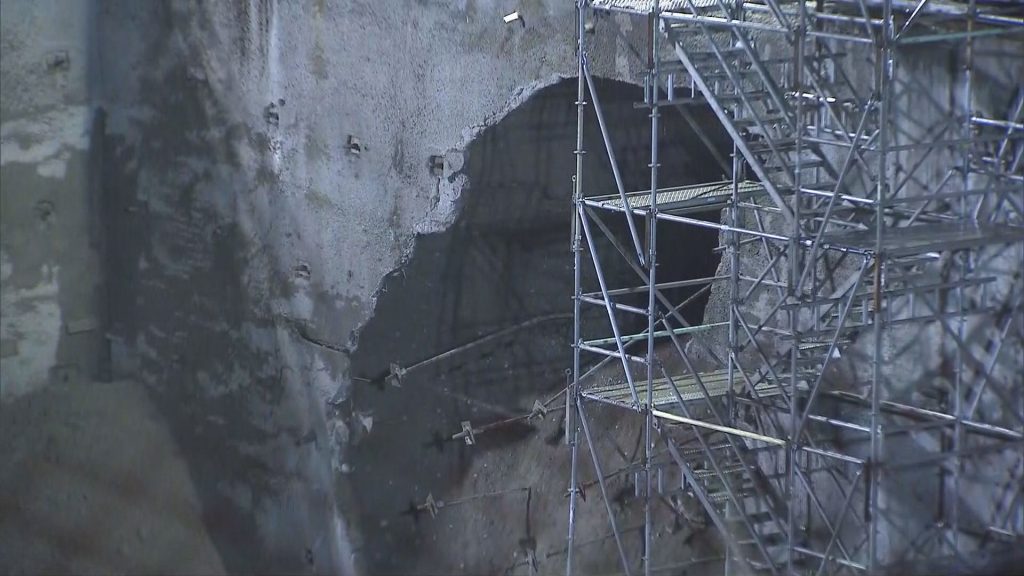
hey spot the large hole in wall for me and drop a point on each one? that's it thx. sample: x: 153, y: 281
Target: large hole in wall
x: 505, y: 262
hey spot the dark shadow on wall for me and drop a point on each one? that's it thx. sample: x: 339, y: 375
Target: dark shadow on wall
x: 187, y: 318
x: 505, y: 261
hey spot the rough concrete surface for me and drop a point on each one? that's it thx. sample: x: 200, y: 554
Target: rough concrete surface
x: 51, y: 292
x: 95, y: 484
x: 181, y: 205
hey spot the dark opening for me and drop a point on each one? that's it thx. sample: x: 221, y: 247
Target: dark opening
x: 505, y: 261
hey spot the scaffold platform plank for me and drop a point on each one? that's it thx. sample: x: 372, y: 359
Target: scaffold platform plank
x: 925, y: 238
x: 647, y: 6
x: 683, y: 199
x: 999, y: 12
x: 716, y: 383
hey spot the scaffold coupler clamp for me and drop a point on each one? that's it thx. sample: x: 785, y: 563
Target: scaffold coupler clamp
x: 467, y: 433
x: 395, y: 375
x: 539, y: 410
x: 578, y: 489
x: 528, y: 546
x: 432, y: 505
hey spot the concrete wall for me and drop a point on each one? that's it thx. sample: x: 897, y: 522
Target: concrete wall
x: 245, y: 243
x: 53, y: 320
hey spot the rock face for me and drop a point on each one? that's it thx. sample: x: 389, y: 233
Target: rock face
x: 503, y: 268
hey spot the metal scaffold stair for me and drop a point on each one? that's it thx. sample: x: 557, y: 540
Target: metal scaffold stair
x: 742, y: 500
x: 754, y: 107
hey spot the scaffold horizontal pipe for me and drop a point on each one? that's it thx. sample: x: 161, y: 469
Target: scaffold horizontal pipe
x: 720, y: 22
x: 982, y: 121
x: 868, y: 202
x: 838, y: 423
x: 977, y: 139
x: 831, y: 558
x: 611, y: 353
x: 721, y: 227
x: 717, y: 428
x: 959, y: 455
x: 658, y: 333
x: 840, y: 37
x: 831, y: 454
x: 761, y: 281
x: 952, y: 195
x: 922, y: 319
x: 914, y: 411
x: 947, y: 36
x: 625, y: 308
x: 662, y: 286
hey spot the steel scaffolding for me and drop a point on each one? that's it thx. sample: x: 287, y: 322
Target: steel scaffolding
x: 857, y: 403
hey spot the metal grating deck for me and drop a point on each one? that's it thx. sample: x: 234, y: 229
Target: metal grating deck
x: 717, y: 384
x: 682, y: 199
x: 647, y: 6
x: 924, y: 238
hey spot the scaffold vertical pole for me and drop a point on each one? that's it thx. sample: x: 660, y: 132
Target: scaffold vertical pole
x: 572, y: 390
x: 652, y: 260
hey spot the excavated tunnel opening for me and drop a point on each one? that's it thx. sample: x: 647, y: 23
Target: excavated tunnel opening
x: 502, y: 273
